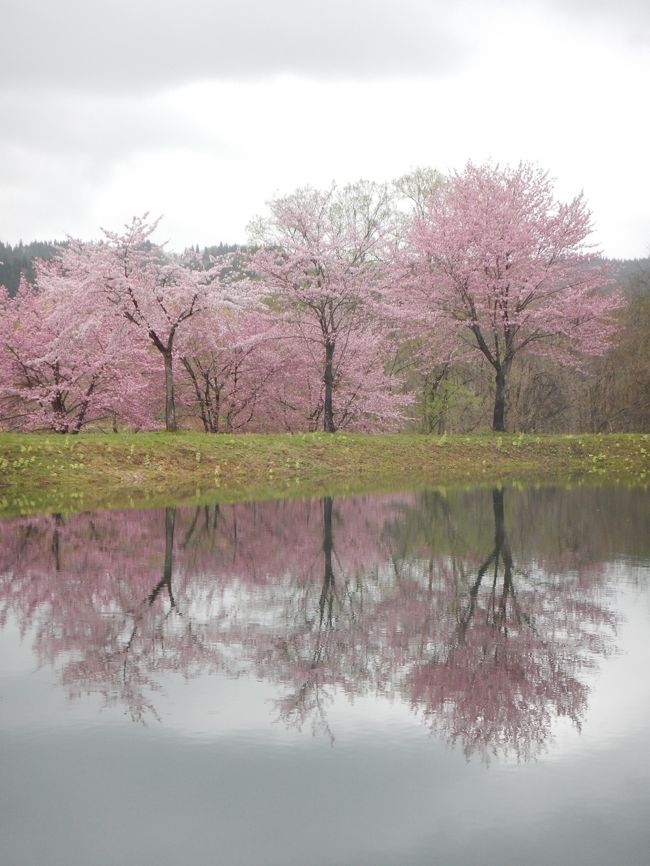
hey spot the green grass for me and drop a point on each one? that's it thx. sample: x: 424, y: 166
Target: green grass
x: 40, y: 472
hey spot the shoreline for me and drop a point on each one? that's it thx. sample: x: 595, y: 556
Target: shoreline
x: 42, y: 473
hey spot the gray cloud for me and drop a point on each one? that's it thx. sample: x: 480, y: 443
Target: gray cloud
x: 58, y: 149
x: 134, y: 45
x: 72, y: 124
x: 148, y: 45
x: 632, y: 13
x: 629, y: 17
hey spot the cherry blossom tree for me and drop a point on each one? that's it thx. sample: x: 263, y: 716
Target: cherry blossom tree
x: 230, y: 359
x: 498, y: 265
x: 154, y: 292
x: 63, y: 362
x: 321, y: 263
x: 80, y: 345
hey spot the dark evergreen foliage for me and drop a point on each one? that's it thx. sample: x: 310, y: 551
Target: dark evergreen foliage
x: 19, y: 259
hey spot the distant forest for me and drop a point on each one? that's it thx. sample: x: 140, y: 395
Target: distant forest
x: 19, y: 260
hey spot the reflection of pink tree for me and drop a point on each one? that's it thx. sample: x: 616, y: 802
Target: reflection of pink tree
x: 504, y: 658
x: 111, y: 615
x: 316, y: 597
x: 321, y: 648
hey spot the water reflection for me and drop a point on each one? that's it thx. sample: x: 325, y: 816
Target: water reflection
x: 484, y: 611
x: 500, y: 649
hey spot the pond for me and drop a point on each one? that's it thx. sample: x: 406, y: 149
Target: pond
x: 448, y: 677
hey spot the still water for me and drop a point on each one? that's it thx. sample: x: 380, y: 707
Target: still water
x: 432, y: 678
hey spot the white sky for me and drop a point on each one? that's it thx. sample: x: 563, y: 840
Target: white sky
x: 202, y: 110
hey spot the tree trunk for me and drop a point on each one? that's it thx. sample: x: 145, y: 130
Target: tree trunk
x: 499, y: 417
x: 81, y: 415
x: 328, y: 380
x: 170, y: 405
x: 202, y: 398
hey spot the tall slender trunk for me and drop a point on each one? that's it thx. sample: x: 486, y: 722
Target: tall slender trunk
x: 328, y: 381
x: 499, y: 417
x: 202, y: 396
x: 170, y: 404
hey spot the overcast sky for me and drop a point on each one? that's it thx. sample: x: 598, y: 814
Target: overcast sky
x: 202, y: 110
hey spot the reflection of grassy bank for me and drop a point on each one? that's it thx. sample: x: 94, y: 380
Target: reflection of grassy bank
x: 71, y: 473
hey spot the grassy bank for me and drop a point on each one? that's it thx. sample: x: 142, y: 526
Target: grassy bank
x: 70, y: 473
